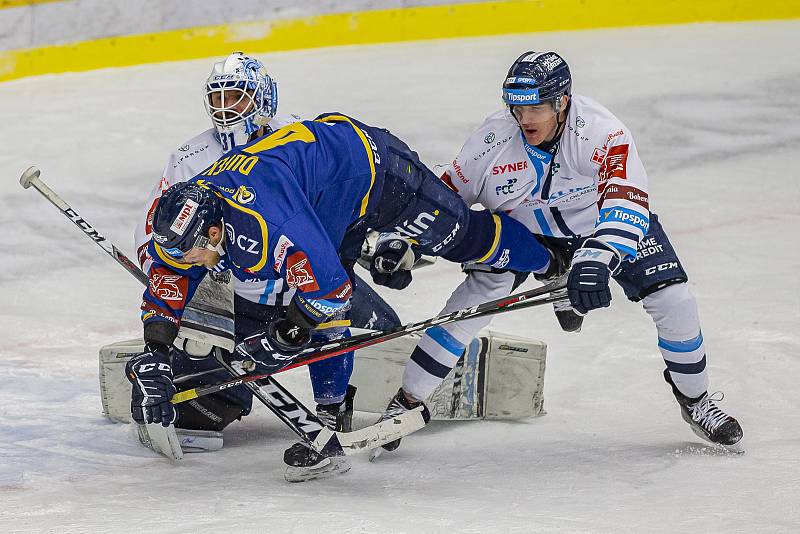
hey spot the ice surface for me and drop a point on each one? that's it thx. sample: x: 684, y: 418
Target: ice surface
x: 716, y: 114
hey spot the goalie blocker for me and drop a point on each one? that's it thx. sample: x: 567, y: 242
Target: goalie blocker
x: 500, y: 376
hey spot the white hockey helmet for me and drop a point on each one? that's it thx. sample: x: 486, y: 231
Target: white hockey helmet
x: 240, y: 98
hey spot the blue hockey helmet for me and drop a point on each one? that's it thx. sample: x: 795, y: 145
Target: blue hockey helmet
x: 240, y: 98
x: 537, y: 77
x: 183, y: 216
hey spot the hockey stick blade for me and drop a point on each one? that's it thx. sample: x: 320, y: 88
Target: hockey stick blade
x: 330, y: 349
x: 28, y: 176
x: 373, y: 436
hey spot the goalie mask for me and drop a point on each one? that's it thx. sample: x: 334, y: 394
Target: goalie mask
x: 240, y: 98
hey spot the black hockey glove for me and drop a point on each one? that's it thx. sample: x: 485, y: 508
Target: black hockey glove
x: 151, y: 375
x: 273, y: 349
x: 592, y: 267
x: 392, y: 262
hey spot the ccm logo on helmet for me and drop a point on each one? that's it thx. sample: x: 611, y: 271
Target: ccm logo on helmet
x: 184, y: 216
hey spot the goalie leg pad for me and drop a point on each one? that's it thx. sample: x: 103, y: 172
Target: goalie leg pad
x: 499, y: 377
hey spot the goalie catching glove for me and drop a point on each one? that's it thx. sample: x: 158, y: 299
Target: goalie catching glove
x: 593, y: 265
x: 150, y: 373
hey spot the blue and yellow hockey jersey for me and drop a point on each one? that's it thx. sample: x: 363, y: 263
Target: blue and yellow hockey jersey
x: 289, y: 199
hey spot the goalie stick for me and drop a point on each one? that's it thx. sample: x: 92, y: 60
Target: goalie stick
x: 328, y: 349
x: 273, y: 395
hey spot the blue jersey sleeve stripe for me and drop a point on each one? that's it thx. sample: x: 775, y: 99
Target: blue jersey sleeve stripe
x: 542, y: 222
x: 617, y: 233
x: 267, y: 292
x: 621, y: 215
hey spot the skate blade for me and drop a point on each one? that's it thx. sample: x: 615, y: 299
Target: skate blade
x: 335, y: 465
x: 374, y: 454
x: 736, y: 448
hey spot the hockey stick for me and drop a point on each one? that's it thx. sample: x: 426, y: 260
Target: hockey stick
x: 220, y: 335
x: 31, y: 178
x: 322, y: 351
x: 322, y: 439
x: 317, y: 352
x: 274, y: 396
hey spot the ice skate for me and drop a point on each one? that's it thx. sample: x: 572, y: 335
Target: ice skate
x: 305, y: 463
x: 707, y: 420
x: 397, y: 406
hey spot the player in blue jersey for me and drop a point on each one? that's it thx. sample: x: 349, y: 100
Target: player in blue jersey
x: 241, y: 99
x: 295, y: 206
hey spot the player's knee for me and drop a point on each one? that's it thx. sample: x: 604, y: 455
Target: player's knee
x: 674, y: 309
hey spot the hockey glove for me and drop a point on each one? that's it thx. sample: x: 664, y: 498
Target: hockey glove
x: 151, y: 375
x: 592, y: 267
x: 392, y: 262
x: 559, y: 264
x: 273, y: 349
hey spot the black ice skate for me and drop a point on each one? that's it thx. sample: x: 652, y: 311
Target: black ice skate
x: 397, y: 406
x: 307, y: 464
x: 707, y: 420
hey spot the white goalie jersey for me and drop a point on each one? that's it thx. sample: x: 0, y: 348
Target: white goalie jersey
x: 594, y: 185
x: 190, y: 159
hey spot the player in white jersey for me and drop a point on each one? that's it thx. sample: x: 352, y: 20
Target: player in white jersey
x: 568, y: 169
x: 241, y: 99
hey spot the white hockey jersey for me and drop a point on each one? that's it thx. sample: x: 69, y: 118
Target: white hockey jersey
x: 594, y: 185
x: 190, y: 159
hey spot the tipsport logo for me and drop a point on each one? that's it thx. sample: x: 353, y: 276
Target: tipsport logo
x: 626, y: 216
x: 521, y: 97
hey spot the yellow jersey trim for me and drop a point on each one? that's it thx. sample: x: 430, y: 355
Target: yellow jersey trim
x: 166, y: 258
x: 264, y: 233
x: 334, y: 324
x: 370, y: 156
x: 497, y: 227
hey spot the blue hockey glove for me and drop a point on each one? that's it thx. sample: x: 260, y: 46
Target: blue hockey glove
x: 273, y: 349
x: 592, y: 267
x: 392, y: 262
x: 151, y: 375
